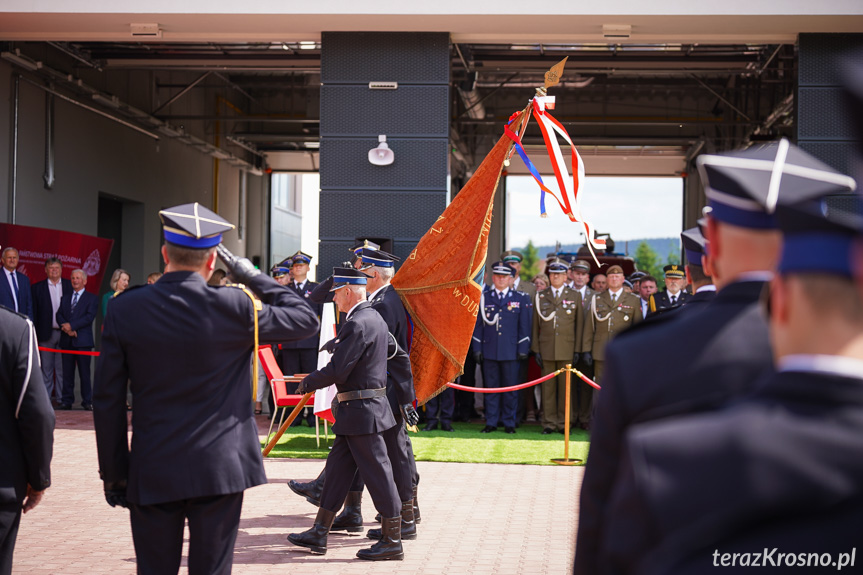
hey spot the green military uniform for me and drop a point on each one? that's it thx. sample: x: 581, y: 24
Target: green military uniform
x: 526, y: 287
x: 604, y: 320
x: 556, y: 336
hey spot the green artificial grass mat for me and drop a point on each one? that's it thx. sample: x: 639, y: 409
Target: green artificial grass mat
x: 464, y: 445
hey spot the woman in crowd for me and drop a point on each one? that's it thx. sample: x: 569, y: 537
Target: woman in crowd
x: 540, y: 281
x: 119, y: 282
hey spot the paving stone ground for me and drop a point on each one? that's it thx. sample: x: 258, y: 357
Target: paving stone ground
x: 477, y: 519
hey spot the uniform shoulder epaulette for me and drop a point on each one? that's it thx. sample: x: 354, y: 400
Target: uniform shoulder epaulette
x: 12, y: 311
x: 130, y: 288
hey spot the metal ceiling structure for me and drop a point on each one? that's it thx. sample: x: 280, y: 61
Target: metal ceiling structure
x: 263, y: 97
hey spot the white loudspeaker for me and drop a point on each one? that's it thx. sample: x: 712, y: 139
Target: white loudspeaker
x: 382, y: 155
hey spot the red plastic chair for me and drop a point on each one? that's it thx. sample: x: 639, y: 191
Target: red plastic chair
x: 281, y: 398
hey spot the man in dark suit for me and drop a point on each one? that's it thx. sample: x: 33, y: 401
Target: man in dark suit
x: 673, y: 295
x: 15, y: 286
x: 695, y: 249
x: 501, y: 339
x: 302, y: 356
x: 363, y: 414
x: 725, y: 346
x: 187, y: 347
x: 26, y: 429
x: 75, y: 317
x: 734, y: 477
x: 47, y: 295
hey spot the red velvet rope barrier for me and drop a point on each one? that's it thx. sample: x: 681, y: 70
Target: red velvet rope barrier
x: 522, y: 385
x: 68, y: 351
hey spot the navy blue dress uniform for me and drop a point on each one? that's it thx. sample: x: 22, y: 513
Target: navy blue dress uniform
x: 80, y: 318
x: 388, y: 304
x: 26, y: 427
x: 302, y: 356
x: 782, y: 466
x: 665, y: 299
x: 725, y: 347
x: 187, y: 348
x: 358, y: 368
x: 19, y: 300
x: 694, y: 248
x: 501, y: 339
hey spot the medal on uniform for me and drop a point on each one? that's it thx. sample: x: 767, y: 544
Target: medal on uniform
x: 569, y: 311
x: 626, y: 318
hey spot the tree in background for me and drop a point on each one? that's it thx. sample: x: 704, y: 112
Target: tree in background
x: 647, y: 261
x: 529, y: 265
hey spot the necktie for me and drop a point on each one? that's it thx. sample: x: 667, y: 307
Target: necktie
x: 74, y: 300
x: 15, y: 284
x: 613, y: 299
x: 673, y: 299
x: 556, y: 294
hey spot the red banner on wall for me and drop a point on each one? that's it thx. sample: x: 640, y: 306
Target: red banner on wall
x: 76, y: 251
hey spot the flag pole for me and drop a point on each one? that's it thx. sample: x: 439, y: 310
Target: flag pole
x: 287, y: 423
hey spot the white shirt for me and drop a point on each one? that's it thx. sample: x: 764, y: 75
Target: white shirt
x: 829, y: 364
x: 301, y: 285
x: 645, y: 306
x: 375, y: 293
x: 55, y: 292
x: 501, y: 294
x: 615, y: 295
x: 582, y: 290
x: 350, y: 311
x: 708, y: 287
x: 556, y: 292
x: 516, y: 282
x: 12, y: 286
x: 672, y: 298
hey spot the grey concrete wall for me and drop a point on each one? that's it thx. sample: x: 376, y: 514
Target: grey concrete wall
x: 95, y: 155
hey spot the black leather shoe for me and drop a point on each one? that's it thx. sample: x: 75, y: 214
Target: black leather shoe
x: 547, y: 431
x: 431, y: 426
x: 87, y: 407
x: 311, y: 490
x: 64, y: 407
x: 389, y: 547
x: 488, y: 429
x: 446, y: 427
x: 315, y: 539
x: 509, y: 430
x: 351, y: 517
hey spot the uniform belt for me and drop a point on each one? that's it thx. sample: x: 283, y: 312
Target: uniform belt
x: 361, y: 394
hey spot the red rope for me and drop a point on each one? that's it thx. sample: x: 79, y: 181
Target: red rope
x: 521, y: 385
x: 69, y: 351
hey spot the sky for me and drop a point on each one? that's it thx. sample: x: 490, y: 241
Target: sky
x: 628, y: 208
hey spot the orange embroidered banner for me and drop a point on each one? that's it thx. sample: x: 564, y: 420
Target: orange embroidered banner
x: 436, y: 281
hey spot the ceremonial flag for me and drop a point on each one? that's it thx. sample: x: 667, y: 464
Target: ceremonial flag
x: 436, y: 282
x: 324, y: 397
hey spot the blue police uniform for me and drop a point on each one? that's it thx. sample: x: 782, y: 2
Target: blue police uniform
x: 501, y: 335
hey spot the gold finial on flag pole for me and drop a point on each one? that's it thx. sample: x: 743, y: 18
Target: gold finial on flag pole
x: 553, y: 76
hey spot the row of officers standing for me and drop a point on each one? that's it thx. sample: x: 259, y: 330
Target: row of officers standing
x: 565, y: 323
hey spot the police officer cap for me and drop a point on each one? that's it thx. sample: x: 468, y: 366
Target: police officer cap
x: 818, y: 239
x: 279, y: 270
x: 674, y: 271
x: 365, y: 244
x: 580, y: 265
x: 348, y: 276
x: 502, y: 269
x: 193, y: 226
x: 627, y: 283
x: 636, y: 276
x: 301, y: 258
x: 556, y: 267
x: 374, y: 257
x: 693, y: 245
x: 614, y: 270
x: 511, y: 256
x: 744, y: 187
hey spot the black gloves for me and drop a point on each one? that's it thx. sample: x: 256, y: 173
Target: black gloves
x: 575, y: 358
x: 301, y: 388
x: 240, y: 270
x: 588, y: 358
x: 538, y: 359
x: 330, y: 346
x: 477, y: 357
x: 522, y: 356
x: 410, y: 414
x: 115, y: 493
